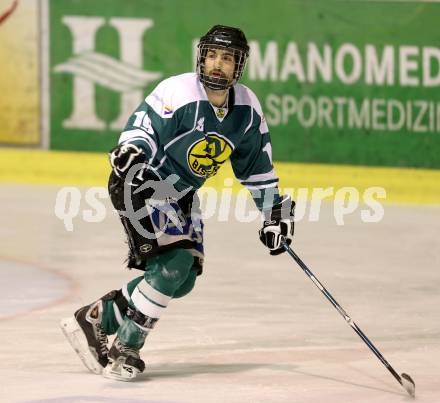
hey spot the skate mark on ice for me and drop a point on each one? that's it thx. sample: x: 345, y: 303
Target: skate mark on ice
x: 182, y: 370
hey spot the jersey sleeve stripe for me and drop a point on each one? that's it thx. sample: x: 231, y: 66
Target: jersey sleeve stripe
x: 153, y: 152
x: 138, y: 134
x: 250, y: 123
x: 128, y: 134
x: 270, y: 185
x: 255, y: 183
x: 260, y: 177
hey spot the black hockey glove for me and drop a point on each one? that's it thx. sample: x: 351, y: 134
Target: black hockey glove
x: 124, y: 156
x: 278, y: 224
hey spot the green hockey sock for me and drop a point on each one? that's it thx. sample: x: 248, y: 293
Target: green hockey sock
x: 131, y: 335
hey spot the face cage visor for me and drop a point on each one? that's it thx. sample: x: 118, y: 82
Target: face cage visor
x: 220, y: 83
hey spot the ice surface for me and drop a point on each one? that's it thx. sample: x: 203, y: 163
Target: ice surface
x: 255, y: 328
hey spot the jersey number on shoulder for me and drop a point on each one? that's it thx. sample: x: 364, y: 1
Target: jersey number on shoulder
x: 143, y: 121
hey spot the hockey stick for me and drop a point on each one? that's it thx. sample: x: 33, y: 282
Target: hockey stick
x: 404, y: 379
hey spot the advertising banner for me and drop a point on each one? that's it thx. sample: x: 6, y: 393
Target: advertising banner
x: 19, y: 73
x: 339, y: 81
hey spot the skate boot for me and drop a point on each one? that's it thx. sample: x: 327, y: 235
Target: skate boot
x: 124, y: 364
x: 85, y: 334
x: 124, y: 361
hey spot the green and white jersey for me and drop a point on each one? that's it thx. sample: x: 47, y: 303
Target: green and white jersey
x: 182, y: 133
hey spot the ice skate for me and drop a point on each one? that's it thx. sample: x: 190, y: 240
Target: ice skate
x: 85, y: 334
x: 124, y: 362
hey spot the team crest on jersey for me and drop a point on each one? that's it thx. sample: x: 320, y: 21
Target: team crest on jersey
x: 220, y: 113
x: 206, y: 156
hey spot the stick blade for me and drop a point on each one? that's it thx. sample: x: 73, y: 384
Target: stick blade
x: 408, y: 384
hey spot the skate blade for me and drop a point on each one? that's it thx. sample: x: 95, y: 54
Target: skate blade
x: 78, y: 341
x: 120, y: 372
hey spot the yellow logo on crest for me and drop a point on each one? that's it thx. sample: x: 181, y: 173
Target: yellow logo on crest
x: 206, y: 156
x: 220, y: 113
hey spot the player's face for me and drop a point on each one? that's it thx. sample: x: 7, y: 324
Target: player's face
x: 220, y: 63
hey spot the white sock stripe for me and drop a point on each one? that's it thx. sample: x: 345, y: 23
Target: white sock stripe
x: 117, y: 314
x: 152, y: 294
x: 144, y: 305
x: 125, y: 293
x: 153, y: 302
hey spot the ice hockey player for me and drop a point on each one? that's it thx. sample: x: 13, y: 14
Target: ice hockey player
x: 179, y: 136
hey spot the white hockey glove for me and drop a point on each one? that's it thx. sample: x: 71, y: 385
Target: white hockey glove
x: 124, y: 156
x: 278, y: 225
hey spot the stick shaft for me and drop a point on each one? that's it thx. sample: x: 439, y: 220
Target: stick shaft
x: 342, y: 312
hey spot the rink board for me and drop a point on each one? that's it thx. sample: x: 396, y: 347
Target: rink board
x: 402, y: 185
